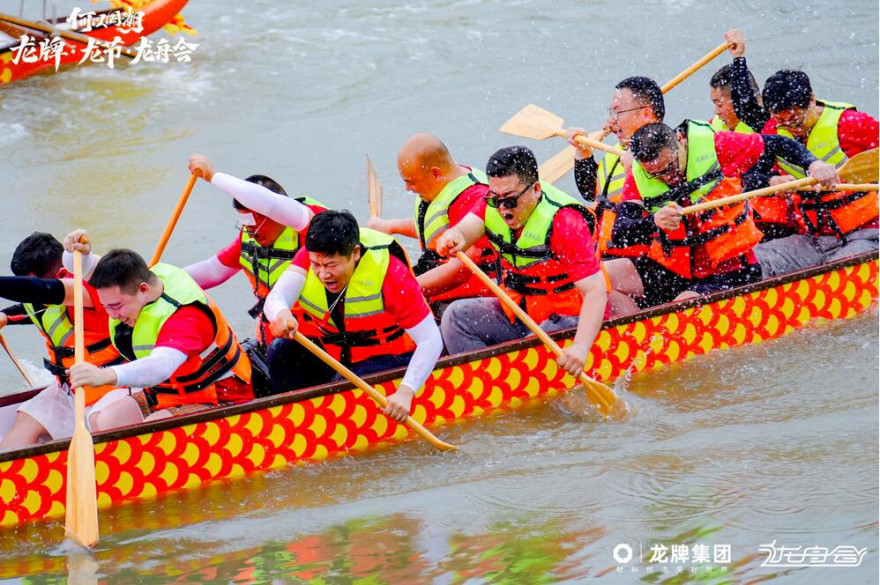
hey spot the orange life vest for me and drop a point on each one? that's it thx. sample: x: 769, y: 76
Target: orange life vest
x: 367, y: 329
x: 56, y: 325
x: 606, y: 210
x: 195, y: 381
x: 531, y: 274
x: 724, y: 233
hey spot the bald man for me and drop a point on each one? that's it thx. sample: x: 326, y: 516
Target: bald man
x: 446, y: 193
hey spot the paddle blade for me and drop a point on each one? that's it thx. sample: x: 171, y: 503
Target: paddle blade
x: 81, y: 514
x: 534, y: 122
x: 557, y: 166
x: 862, y: 168
x: 374, y: 190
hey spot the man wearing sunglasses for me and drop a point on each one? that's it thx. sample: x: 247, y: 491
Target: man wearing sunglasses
x: 636, y: 101
x: 547, y: 258
x: 446, y: 191
x: 272, y: 227
x: 700, y: 253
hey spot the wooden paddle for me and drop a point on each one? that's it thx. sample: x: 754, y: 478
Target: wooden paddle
x: 862, y: 168
x: 15, y: 361
x: 850, y: 187
x: 557, y: 166
x: 81, y: 507
x: 66, y: 34
x: 172, y: 221
x: 537, y: 123
x: 695, y: 67
x: 374, y: 190
x: 372, y: 392
x: 610, y: 405
x: 561, y: 164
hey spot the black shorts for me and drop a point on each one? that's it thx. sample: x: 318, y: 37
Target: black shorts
x: 661, y: 285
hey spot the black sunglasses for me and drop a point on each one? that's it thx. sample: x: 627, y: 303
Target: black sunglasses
x: 509, y: 202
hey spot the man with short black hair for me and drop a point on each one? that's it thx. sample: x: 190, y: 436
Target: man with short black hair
x: 360, y: 301
x: 182, y: 351
x: 548, y: 262
x: 46, y: 290
x: 636, y: 101
x: 705, y: 252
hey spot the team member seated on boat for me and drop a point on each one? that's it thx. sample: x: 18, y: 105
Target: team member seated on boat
x: 446, y: 191
x: 273, y: 227
x: 46, y: 290
x: 777, y: 216
x: 361, y: 302
x: 548, y: 262
x: 636, y: 101
x: 184, y: 355
x: 833, y: 225
x: 702, y: 253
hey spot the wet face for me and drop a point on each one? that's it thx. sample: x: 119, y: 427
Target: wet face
x: 334, y: 270
x: 627, y: 113
x: 724, y: 106
x: 122, y: 305
x: 794, y: 120
x: 669, y: 166
x: 514, y: 200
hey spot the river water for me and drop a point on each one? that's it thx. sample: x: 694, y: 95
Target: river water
x: 728, y: 452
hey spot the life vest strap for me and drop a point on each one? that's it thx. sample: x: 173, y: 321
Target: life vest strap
x: 65, y: 352
x: 362, y: 338
x: 701, y: 238
x: 536, y: 253
x: 261, y: 253
x: 520, y: 283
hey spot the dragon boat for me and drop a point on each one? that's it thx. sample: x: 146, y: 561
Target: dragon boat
x: 311, y: 425
x: 109, y: 24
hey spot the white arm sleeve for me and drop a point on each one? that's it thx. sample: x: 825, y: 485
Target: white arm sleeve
x: 211, y: 272
x: 429, y: 346
x: 89, y: 262
x: 284, y: 210
x: 151, y: 370
x: 284, y: 294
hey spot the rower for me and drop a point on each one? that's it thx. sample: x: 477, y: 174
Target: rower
x: 272, y: 228
x: 548, y: 262
x: 182, y: 352
x: 636, y: 101
x: 446, y: 191
x: 706, y: 252
x: 360, y: 302
x: 46, y: 290
x: 777, y: 216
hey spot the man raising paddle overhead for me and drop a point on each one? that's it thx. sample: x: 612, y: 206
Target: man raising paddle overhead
x: 548, y: 262
x: 273, y: 227
x: 836, y: 224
